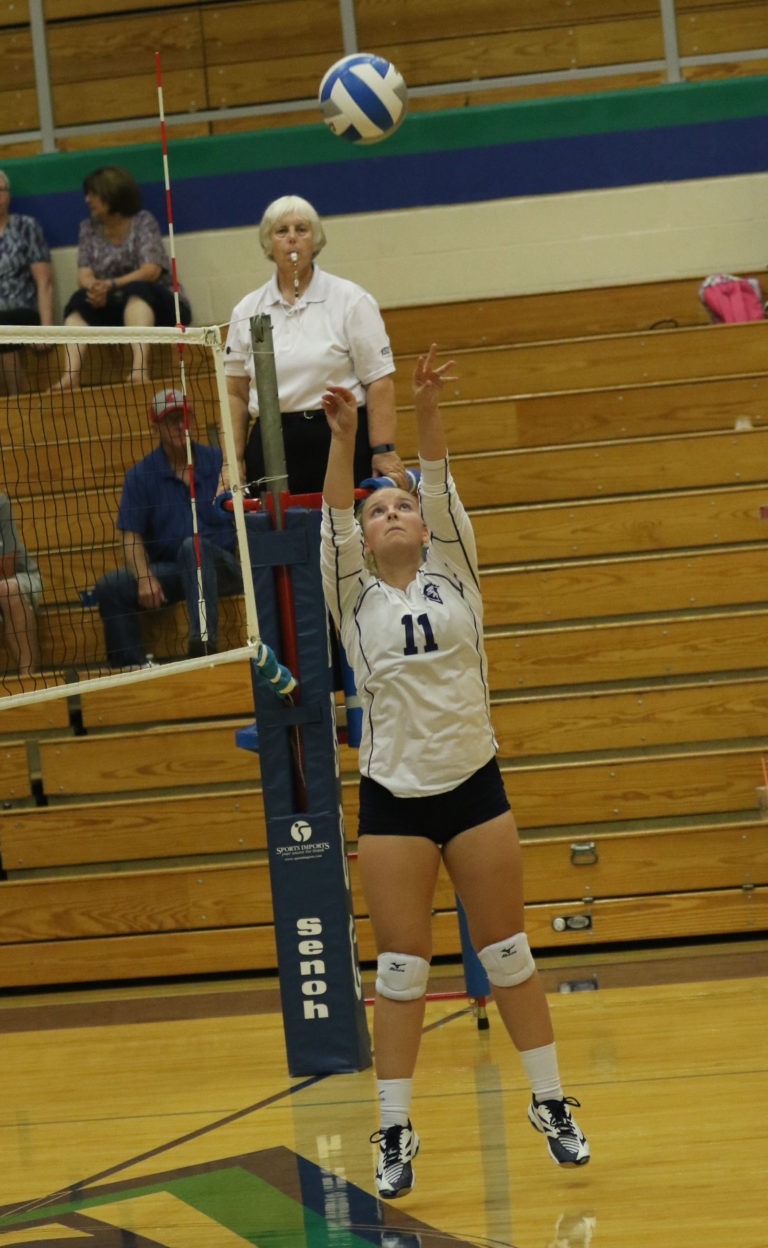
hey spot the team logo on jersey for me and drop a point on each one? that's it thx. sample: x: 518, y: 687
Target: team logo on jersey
x: 432, y: 592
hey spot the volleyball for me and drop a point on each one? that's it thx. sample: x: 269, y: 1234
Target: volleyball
x: 363, y: 98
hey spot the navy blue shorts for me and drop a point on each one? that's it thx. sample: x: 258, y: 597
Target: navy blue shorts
x: 17, y: 316
x: 160, y: 299
x: 439, y: 816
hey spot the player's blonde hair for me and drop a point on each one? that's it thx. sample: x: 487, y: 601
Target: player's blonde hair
x: 290, y: 206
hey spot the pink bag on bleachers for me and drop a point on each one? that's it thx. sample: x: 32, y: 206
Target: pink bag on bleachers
x: 729, y: 298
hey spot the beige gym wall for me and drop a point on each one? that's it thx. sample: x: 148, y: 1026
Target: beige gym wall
x: 500, y: 247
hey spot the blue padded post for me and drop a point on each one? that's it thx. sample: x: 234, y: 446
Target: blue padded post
x: 257, y: 525
x: 320, y: 986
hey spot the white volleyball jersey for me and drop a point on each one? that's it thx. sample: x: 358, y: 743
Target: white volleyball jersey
x: 417, y: 654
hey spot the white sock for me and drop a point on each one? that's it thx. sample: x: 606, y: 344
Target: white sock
x: 543, y: 1075
x: 394, y: 1102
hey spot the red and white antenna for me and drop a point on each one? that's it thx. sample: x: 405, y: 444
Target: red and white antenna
x: 180, y: 349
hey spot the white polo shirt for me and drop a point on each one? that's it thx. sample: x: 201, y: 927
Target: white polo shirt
x: 334, y: 332
x: 417, y: 654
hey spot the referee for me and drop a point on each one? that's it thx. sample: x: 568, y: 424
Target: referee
x: 324, y: 329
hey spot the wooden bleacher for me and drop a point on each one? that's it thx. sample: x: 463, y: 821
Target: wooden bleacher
x: 529, y: 318
x: 235, y: 54
x: 623, y: 558
x: 104, y: 372
x: 662, y: 646
x: 560, y: 366
x: 15, y: 783
x: 602, y: 470
x: 626, y: 585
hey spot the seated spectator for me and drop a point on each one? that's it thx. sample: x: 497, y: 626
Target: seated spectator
x: 124, y: 275
x: 20, y: 589
x: 26, y: 285
x: 155, y: 519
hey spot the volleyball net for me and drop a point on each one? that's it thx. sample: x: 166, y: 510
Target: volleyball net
x: 78, y: 424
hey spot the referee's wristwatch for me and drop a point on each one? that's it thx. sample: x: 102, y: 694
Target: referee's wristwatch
x: 382, y: 448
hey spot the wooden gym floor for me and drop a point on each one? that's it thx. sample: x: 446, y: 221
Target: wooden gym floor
x: 164, y: 1117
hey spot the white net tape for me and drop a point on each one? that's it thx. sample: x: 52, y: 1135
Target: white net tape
x: 65, y: 454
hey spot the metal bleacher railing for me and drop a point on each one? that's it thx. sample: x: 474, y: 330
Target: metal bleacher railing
x: 664, y: 41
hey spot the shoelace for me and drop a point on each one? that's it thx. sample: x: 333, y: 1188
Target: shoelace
x: 561, y: 1116
x: 394, y: 1144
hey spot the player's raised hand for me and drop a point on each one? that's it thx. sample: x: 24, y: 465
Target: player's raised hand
x: 429, y: 379
x: 340, y: 407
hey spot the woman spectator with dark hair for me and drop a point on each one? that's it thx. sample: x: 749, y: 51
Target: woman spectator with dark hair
x: 123, y: 272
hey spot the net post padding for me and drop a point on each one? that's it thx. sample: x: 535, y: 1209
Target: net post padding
x: 320, y: 986
x: 65, y: 453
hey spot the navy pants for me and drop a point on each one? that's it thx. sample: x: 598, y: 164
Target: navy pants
x: 117, y: 594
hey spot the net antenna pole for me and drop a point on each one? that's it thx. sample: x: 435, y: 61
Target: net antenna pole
x: 275, y: 470
x: 180, y: 350
x: 270, y: 421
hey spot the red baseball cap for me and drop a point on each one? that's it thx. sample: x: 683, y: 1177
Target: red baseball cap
x: 166, y: 401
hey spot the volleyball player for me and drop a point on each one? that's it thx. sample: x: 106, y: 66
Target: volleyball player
x: 402, y: 585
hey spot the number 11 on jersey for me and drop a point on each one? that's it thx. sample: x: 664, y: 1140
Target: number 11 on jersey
x: 410, y: 634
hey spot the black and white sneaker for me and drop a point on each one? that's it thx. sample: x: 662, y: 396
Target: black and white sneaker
x: 397, y: 1148
x: 566, y: 1143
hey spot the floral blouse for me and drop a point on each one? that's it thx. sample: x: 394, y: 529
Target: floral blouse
x: 143, y: 244
x: 22, y: 243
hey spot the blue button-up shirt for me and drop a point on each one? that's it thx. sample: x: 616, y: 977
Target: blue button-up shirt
x: 155, y: 503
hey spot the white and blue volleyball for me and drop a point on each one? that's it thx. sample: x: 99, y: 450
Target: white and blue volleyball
x: 363, y: 98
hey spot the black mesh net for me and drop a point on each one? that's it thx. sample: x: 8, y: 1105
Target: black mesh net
x: 78, y: 423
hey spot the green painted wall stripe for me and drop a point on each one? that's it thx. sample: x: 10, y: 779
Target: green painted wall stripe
x: 603, y: 112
